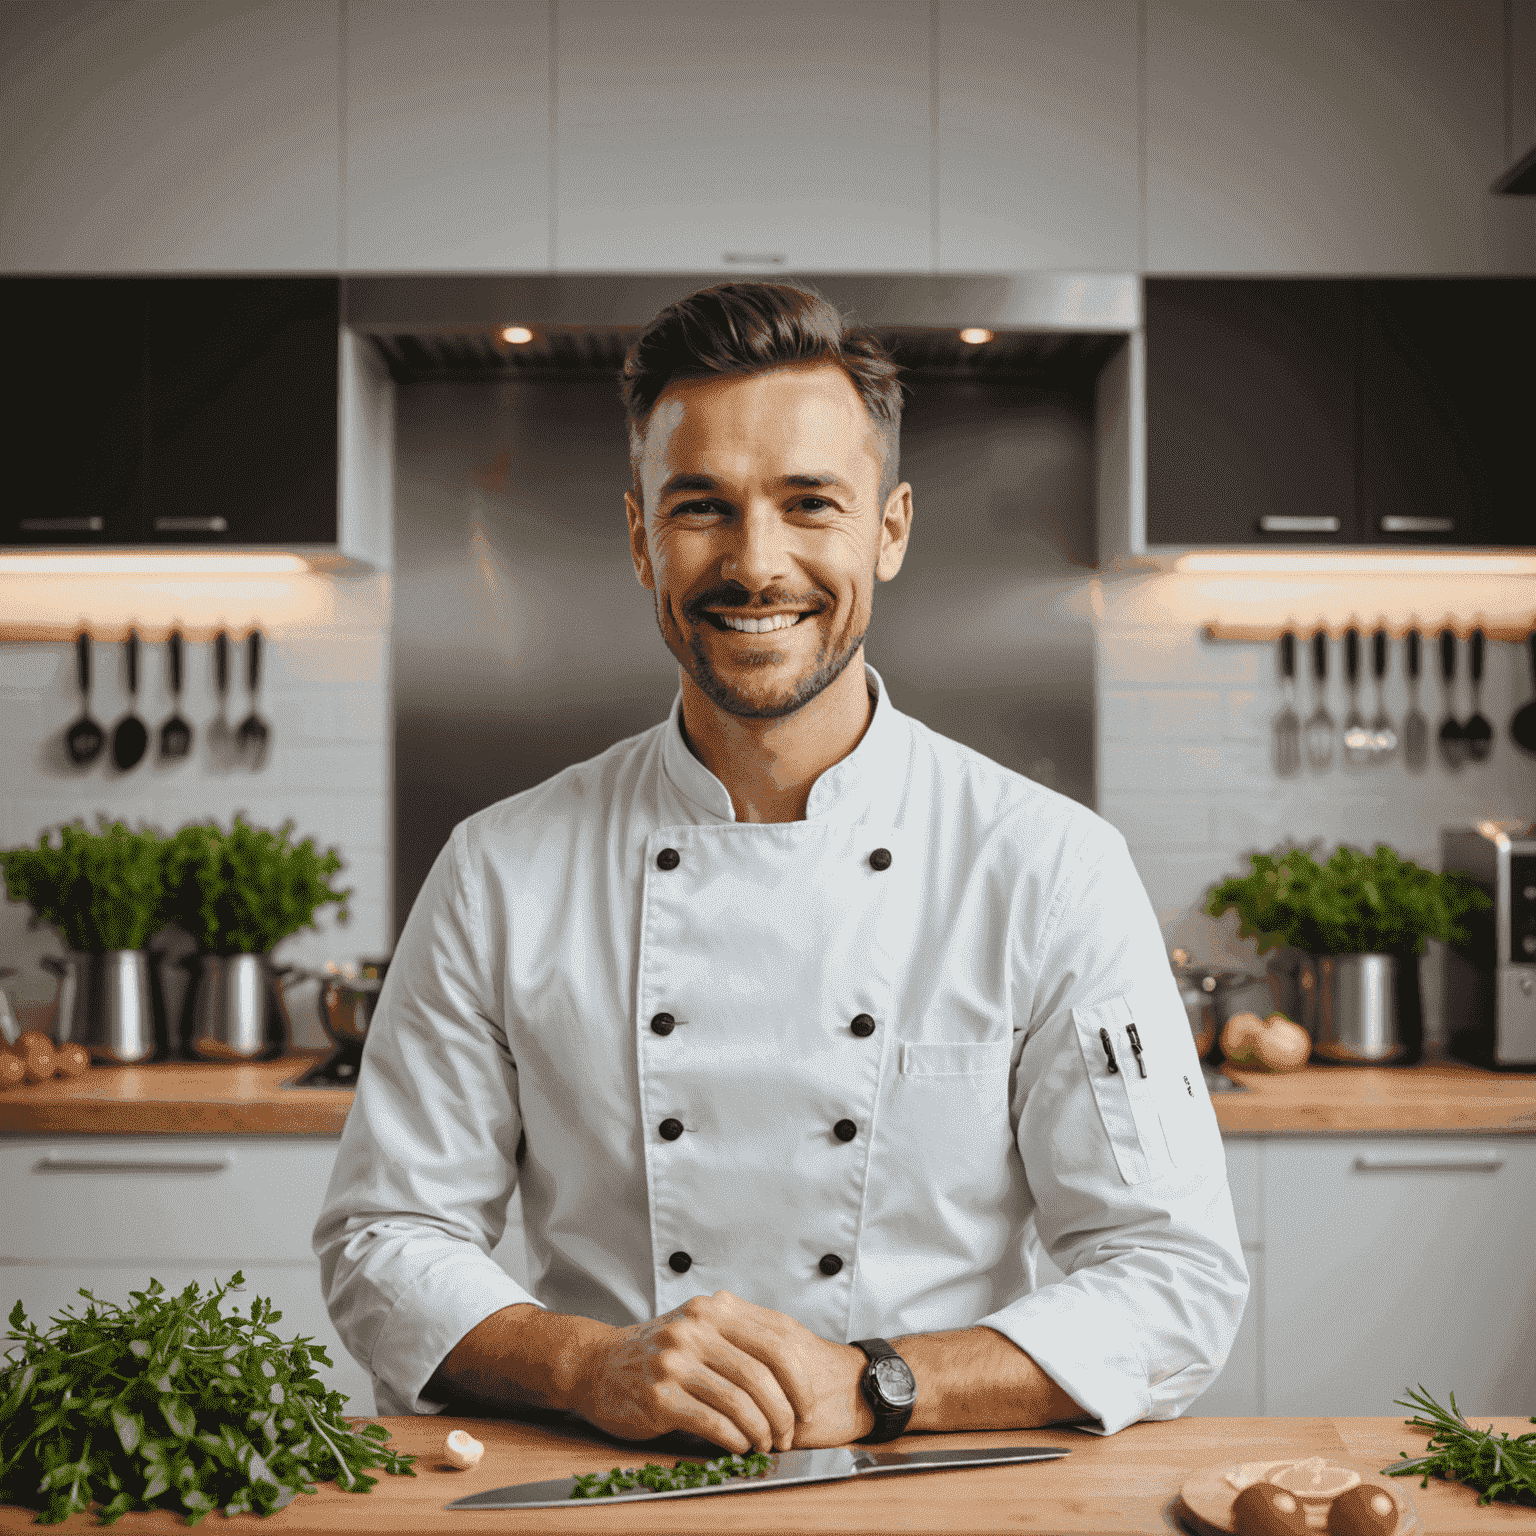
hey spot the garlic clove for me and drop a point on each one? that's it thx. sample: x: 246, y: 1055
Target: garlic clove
x: 463, y: 1450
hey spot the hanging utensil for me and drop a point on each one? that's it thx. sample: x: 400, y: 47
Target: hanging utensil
x: 1383, y: 732
x: 1522, y: 729
x: 1319, y: 727
x: 221, y: 739
x: 1415, y: 726
x: 176, y: 733
x: 1453, y: 745
x: 1288, y: 722
x: 1358, y: 745
x: 254, y: 733
x: 131, y: 736
x: 84, y: 738
x: 1477, y: 733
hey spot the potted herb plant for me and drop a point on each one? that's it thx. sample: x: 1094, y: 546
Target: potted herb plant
x: 1360, y: 922
x: 238, y: 894
x: 104, y: 892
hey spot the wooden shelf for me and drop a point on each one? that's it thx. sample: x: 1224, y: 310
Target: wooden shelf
x: 25, y: 633
x: 1267, y: 634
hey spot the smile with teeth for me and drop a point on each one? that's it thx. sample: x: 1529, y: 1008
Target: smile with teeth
x: 757, y: 626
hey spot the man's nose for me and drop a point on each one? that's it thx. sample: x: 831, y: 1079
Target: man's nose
x: 757, y: 553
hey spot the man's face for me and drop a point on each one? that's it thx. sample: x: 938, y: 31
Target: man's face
x: 762, y: 532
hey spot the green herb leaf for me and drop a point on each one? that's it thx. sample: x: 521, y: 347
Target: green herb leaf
x: 1497, y: 1467
x: 659, y: 1479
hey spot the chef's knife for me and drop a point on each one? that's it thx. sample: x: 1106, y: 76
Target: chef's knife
x: 789, y: 1468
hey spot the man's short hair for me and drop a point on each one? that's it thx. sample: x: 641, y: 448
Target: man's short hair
x: 736, y: 329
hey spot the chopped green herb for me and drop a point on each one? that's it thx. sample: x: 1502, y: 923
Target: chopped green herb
x: 1496, y: 1466
x: 656, y: 1478
x: 173, y: 1403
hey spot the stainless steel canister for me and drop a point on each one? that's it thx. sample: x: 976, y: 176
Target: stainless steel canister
x: 235, y: 1009
x: 1350, y: 1007
x: 110, y: 1004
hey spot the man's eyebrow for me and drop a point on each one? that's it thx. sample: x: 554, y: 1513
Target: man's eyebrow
x: 698, y: 482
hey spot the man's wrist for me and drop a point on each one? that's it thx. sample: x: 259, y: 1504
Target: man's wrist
x: 861, y: 1414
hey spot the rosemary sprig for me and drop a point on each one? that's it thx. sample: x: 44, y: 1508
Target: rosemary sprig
x: 1497, y: 1466
x: 659, y: 1479
x: 172, y: 1403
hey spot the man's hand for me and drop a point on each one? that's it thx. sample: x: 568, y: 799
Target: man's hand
x: 736, y: 1374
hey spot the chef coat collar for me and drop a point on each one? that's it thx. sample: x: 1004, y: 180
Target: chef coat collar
x: 868, y: 781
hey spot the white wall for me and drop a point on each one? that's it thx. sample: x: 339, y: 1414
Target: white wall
x: 325, y: 693
x: 1185, y: 736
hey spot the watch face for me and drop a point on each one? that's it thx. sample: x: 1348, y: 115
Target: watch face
x: 895, y: 1382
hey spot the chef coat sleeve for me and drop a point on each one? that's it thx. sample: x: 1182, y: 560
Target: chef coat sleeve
x: 419, y: 1190
x: 1128, y: 1172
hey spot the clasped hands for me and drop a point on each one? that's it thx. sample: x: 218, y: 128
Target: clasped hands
x: 731, y: 1372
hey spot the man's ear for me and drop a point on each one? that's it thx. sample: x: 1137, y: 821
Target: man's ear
x: 895, y: 530
x: 639, y: 551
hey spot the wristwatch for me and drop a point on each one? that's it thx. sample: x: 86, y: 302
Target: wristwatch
x: 889, y: 1387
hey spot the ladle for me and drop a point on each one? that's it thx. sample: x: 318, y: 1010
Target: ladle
x: 131, y: 736
x: 84, y: 739
x: 176, y: 733
x: 1477, y: 733
x: 1453, y: 743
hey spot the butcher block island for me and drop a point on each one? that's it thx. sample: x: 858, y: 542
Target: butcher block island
x: 1125, y: 1483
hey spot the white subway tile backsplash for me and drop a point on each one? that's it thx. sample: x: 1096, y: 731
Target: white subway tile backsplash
x: 1183, y: 714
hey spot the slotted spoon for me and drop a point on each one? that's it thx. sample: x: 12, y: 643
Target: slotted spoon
x: 1383, y: 732
x: 1357, y: 735
x: 1319, y: 727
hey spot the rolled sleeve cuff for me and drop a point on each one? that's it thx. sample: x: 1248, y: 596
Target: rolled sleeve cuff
x: 1107, y: 1380
x: 455, y: 1295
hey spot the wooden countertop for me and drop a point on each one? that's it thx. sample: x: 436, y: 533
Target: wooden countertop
x: 213, y: 1098
x: 1126, y: 1483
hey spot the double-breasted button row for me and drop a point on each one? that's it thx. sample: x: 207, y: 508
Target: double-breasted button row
x: 861, y: 1024
x: 680, y: 1263
x: 670, y: 858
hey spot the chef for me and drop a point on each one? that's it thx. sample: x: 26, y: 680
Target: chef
x: 802, y: 1029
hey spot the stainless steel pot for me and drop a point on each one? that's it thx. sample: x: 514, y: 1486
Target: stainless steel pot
x: 236, y: 1010
x: 1351, y: 1007
x: 348, y: 998
x: 110, y: 1004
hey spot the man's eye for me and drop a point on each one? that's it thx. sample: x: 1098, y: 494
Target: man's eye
x: 814, y: 504
x: 694, y: 509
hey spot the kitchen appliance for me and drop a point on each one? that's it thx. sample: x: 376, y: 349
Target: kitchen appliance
x: 789, y: 1469
x: 1490, y: 981
x: 235, y: 1008
x: 110, y: 1004
x: 348, y: 996
x: 1350, y: 1007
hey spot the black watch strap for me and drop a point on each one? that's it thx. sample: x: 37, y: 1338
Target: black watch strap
x: 889, y: 1388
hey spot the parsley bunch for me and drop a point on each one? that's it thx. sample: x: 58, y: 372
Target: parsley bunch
x: 1499, y: 1468
x: 658, y: 1479
x: 172, y: 1403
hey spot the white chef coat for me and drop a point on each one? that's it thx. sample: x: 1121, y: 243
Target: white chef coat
x: 1004, y: 949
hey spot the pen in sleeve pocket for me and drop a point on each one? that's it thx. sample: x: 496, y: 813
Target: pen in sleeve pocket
x: 1109, y: 1051
x: 1130, y: 1029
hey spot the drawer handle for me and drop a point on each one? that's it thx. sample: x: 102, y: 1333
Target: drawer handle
x: 1472, y: 1164
x: 747, y: 259
x: 1298, y: 525
x: 1418, y: 525
x: 191, y: 525
x: 63, y: 524
x: 53, y: 1163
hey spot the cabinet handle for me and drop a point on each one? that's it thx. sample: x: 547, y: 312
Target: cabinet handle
x: 1418, y: 525
x: 1473, y: 1163
x: 747, y: 259
x: 63, y: 524
x: 54, y: 1163
x: 1298, y: 525
x: 191, y: 525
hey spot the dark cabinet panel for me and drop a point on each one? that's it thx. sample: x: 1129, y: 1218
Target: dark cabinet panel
x: 72, y: 410
x: 1448, y: 395
x: 1251, y: 411
x: 242, y: 411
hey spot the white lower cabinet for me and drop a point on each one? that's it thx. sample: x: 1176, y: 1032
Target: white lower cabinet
x: 109, y: 1213
x: 1395, y: 1261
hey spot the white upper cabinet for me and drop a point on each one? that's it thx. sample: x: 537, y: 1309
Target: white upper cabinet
x: 696, y: 135
x: 447, y: 135
x: 1037, y: 135
x: 1349, y: 136
x: 169, y: 135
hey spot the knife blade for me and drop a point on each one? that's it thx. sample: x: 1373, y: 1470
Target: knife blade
x: 790, y: 1468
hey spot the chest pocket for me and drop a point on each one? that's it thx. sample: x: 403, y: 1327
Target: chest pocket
x: 1126, y: 1102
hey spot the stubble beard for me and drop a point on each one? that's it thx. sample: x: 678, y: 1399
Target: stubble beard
x: 826, y: 671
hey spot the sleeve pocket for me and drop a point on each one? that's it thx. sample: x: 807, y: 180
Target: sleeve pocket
x: 954, y: 1058
x: 1126, y: 1107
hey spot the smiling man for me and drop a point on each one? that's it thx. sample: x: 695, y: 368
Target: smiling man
x: 801, y: 1028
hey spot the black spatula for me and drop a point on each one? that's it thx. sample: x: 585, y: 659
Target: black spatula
x: 1453, y: 744
x: 84, y: 738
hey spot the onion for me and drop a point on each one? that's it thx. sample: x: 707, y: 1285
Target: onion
x: 463, y: 1450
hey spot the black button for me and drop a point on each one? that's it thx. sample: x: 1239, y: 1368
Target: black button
x: 845, y: 1130
x: 662, y: 1023
x: 680, y: 1262
x: 671, y: 1129
x: 670, y: 858
x: 862, y: 1025
x: 830, y: 1264
x: 880, y: 859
